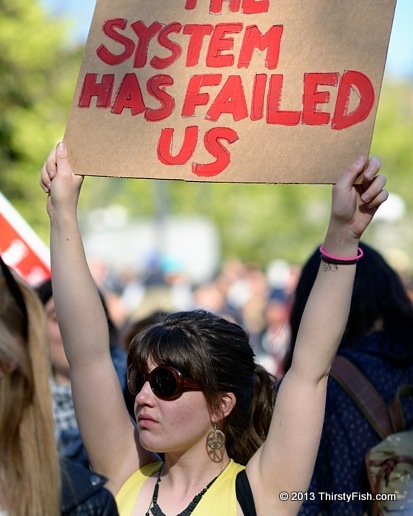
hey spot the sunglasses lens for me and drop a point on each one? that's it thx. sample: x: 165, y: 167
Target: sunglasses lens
x: 163, y: 383
x: 138, y: 382
x: 133, y: 381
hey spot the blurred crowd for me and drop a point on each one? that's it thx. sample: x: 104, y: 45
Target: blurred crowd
x: 258, y: 300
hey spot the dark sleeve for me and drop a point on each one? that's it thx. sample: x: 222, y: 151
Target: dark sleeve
x: 244, y: 494
x: 84, y: 492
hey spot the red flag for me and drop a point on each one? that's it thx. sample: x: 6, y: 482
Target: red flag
x: 21, y: 248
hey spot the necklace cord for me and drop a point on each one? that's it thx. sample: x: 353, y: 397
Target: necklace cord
x: 157, y: 511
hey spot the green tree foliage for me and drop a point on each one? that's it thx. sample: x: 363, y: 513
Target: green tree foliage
x: 393, y: 137
x: 262, y: 222
x: 256, y: 223
x: 38, y: 73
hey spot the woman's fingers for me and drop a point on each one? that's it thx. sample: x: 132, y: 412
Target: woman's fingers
x: 48, y: 172
x: 372, y: 168
x: 373, y: 191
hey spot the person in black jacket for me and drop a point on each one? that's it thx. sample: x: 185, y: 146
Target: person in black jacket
x: 84, y: 492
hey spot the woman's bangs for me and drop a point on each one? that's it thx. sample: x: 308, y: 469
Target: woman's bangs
x: 164, y: 346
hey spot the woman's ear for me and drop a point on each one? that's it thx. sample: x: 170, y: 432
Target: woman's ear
x: 226, y: 404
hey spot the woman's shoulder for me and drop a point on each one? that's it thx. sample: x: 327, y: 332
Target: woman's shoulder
x: 126, y: 495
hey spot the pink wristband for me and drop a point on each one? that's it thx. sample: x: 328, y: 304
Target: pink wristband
x: 330, y: 258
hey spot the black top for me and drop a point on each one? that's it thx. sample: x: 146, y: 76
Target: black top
x: 244, y: 494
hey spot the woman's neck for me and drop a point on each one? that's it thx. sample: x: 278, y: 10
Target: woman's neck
x: 191, y: 469
x: 182, y: 486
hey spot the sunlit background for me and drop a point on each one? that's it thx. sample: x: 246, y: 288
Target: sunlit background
x: 190, y: 228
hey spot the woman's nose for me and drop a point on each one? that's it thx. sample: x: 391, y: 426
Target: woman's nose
x: 145, y: 395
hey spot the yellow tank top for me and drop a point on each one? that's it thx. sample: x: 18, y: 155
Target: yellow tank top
x: 219, y: 500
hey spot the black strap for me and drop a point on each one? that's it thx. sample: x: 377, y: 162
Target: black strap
x: 244, y: 494
x: 396, y: 408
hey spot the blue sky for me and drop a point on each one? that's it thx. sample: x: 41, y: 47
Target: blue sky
x: 400, y: 55
x: 399, y: 59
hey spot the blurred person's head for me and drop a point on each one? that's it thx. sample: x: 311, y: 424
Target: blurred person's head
x: 29, y: 465
x: 380, y: 302
x: 276, y: 311
x: 58, y: 360
x: 133, y: 327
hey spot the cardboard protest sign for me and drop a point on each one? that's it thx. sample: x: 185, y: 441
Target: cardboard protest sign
x: 261, y: 91
x: 21, y: 248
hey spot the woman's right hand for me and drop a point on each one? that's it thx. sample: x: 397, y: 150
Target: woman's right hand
x: 59, y: 182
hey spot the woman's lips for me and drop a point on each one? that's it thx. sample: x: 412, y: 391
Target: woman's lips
x: 144, y: 420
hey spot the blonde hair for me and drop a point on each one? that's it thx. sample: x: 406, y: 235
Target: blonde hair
x: 30, y: 481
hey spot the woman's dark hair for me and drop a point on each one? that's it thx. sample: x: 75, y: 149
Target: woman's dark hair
x: 44, y: 291
x: 217, y: 353
x: 379, y: 296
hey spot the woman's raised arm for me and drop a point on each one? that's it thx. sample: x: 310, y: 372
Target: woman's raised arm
x: 284, y: 464
x: 106, y: 428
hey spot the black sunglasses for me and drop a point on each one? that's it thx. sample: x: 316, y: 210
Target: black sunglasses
x: 167, y: 383
x: 15, y: 291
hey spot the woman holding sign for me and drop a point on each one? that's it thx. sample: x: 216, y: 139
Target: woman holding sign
x: 200, y: 399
